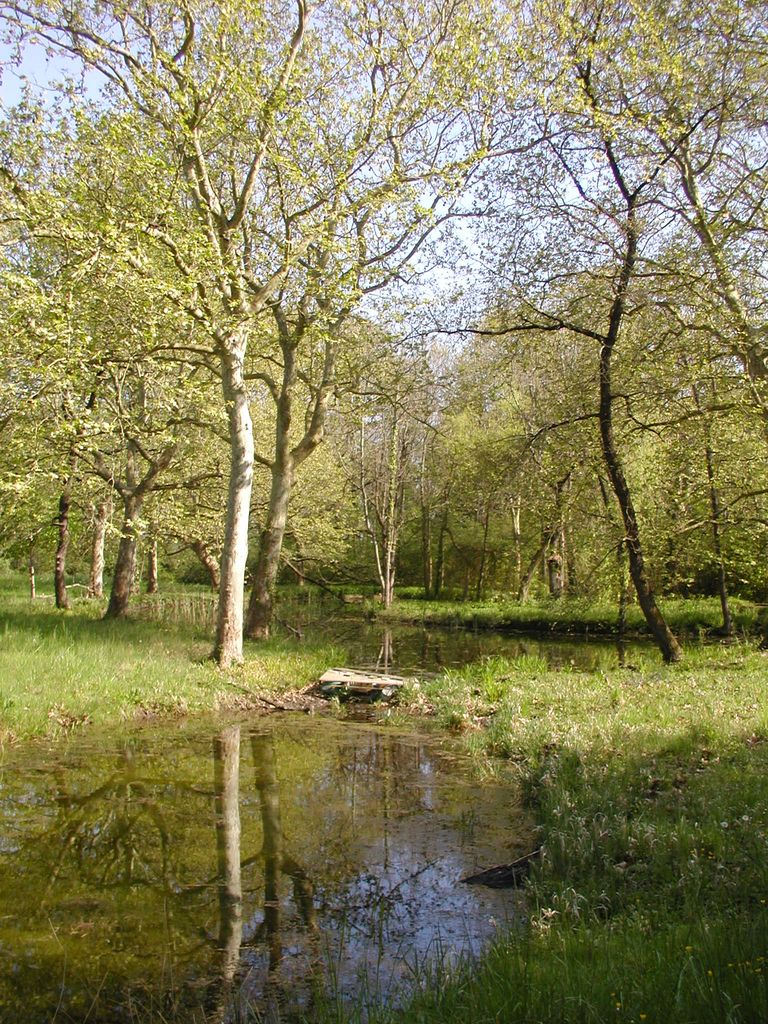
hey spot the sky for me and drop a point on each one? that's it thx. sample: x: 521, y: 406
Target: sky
x: 35, y: 68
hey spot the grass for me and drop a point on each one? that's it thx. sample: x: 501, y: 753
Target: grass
x: 58, y: 670
x: 639, y: 974
x: 650, y: 788
x: 696, y: 617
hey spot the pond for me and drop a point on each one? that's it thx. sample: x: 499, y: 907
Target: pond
x: 407, y: 648
x: 187, y: 872
x: 404, y: 647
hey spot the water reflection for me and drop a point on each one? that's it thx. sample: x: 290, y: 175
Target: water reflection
x: 226, y: 786
x: 407, y: 648
x: 165, y: 875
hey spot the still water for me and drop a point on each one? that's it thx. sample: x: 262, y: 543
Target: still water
x: 405, y: 648
x: 187, y: 872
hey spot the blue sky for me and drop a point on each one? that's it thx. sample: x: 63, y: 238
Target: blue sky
x: 35, y: 67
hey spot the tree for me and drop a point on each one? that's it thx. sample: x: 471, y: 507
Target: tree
x: 305, y: 167
x: 597, y: 190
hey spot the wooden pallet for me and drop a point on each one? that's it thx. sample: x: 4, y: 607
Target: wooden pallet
x: 354, y: 684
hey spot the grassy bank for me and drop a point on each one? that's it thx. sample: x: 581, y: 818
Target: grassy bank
x: 696, y: 617
x: 59, y: 669
x: 650, y: 787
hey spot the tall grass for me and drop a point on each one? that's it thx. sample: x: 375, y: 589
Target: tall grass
x: 696, y: 617
x: 180, y: 608
x: 639, y: 974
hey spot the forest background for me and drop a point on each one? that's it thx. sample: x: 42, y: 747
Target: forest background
x: 467, y: 297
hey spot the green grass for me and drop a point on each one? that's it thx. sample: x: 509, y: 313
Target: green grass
x: 698, y: 616
x: 650, y: 791
x: 61, y: 669
x: 643, y: 973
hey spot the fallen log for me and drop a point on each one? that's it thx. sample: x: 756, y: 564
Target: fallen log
x: 505, y: 876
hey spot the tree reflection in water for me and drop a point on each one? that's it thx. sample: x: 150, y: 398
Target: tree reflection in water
x: 132, y: 889
x: 226, y: 787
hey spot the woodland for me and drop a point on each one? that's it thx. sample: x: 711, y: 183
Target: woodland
x: 467, y: 297
x: 453, y: 311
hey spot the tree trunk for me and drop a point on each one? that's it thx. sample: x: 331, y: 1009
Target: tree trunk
x: 439, y: 577
x: 714, y: 504
x: 750, y: 349
x: 261, y: 603
x: 570, y: 581
x: 483, y: 555
x: 622, y: 575
x: 426, y: 551
x: 621, y: 565
x: 535, y: 562
x: 31, y: 571
x: 60, y: 564
x: 133, y: 491
x: 426, y: 525
x: 668, y: 645
x: 394, y: 508
x: 388, y: 594
x: 555, y: 573
x: 228, y: 647
x: 152, y: 582
x: 517, y: 538
x: 208, y: 562
x: 96, y: 581
x: 285, y: 464
x: 717, y: 518
x: 125, y: 566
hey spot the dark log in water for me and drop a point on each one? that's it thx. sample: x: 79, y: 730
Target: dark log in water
x: 505, y: 876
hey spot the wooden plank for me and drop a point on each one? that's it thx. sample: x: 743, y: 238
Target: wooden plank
x: 356, y: 684
x: 355, y: 677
